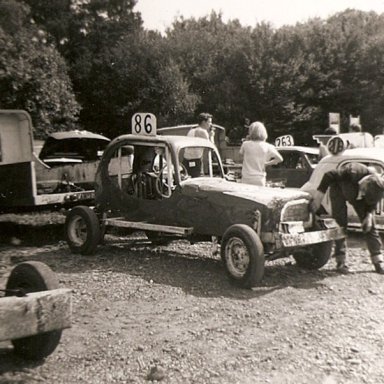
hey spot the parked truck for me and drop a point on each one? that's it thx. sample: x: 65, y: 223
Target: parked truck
x: 62, y: 175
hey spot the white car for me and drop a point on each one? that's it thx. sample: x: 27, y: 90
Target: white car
x: 370, y: 156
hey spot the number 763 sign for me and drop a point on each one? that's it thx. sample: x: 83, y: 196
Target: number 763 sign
x: 284, y: 141
x: 144, y: 124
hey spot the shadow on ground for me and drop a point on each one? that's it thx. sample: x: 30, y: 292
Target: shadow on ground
x: 26, y: 234
x: 194, y: 270
x: 10, y: 362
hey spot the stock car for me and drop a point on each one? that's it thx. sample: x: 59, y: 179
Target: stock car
x: 299, y: 162
x: 153, y: 192
x: 295, y: 169
x: 302, y: 167
x: 371, y: 156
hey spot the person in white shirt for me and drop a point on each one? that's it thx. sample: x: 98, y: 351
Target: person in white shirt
x: 257, y: 154
x: 193, y: 156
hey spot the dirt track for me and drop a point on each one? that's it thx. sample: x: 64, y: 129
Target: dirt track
x: 138, y: 308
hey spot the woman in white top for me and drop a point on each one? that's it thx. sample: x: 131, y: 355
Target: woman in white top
x: 257, y: 154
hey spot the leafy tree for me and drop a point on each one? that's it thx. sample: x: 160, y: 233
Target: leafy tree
x: 338, y: 49
x: 279, y: 78
x: 290, y: 78
x: 86, y: 32
x: 33, y: 76
x: 213, y: 56
x: 76, y: 25
x: 135, y: 76
x: 371, y: 90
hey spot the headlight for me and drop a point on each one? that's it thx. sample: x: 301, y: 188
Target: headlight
x: 292, y: 227
x: 327, y: 223
x: 295, y: 210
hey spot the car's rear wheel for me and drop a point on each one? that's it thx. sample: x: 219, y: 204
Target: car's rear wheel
x: 34, y: 276
x: 314, y: 256
x: 82, y: 230
x: 243, y: 255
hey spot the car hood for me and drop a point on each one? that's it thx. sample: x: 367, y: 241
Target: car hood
x: 263, y: 195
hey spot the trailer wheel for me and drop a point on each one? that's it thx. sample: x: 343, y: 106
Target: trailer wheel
x: 314, y: 256
x: 34, y: 276
x: 82, y: 230
x: 243, y: 255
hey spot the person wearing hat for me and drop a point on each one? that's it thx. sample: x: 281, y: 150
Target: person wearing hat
x: 363, y: 188
x: 193, y: 156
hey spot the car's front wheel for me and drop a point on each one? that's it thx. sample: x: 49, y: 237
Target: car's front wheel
x: 314, y: 256
x: 82, y: 230
x: 243, y: 255
x: 34, y: 276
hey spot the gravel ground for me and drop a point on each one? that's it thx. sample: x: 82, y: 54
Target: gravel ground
x: 143, y: 313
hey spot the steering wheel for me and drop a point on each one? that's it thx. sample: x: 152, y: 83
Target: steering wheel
x: 183, y: 172
x: 161, y: 183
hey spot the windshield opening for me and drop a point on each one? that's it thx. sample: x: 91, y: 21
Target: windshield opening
x: 142, y: 170
x: 200, y: 162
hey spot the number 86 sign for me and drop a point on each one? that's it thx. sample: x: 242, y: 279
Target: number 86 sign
x: 144, y: 124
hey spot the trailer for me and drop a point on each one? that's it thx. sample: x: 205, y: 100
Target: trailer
x: 27, y: 182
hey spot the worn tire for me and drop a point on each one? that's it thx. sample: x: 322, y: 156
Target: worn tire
x: 82, y: 230
x: 314, y: 256
x: 243, y: 255
x: 34, y: 276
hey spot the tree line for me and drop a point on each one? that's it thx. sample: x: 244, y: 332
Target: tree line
x: 92, y: 64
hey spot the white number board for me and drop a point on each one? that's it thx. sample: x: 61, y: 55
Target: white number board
x: 379, y: 141
x: 336, y: 145
x: 144, y: 124
x: 284, y: 141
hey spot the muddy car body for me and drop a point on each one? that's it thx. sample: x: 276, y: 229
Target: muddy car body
x: 153, y: 192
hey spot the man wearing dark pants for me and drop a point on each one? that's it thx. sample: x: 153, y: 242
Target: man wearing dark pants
x: 363, y: 189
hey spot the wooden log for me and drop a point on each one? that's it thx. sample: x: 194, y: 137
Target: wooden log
x: 35, y: 313
x: 122, y: 223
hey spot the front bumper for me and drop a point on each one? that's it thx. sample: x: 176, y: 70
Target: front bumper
x: 288, y: 240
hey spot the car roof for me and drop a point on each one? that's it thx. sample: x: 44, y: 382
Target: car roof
x: 173, y: 140
x: 368, y: 154
x: 77, y: 134
x: 330, y: 162
x: 298, y: 148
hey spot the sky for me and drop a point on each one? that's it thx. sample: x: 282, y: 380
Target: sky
x: 159, y: 14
